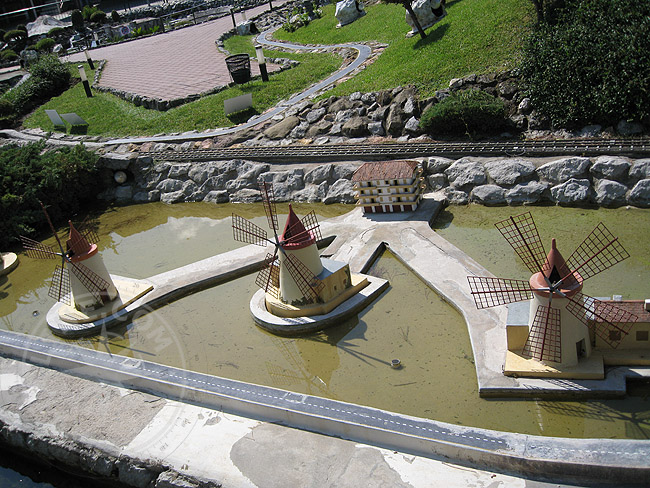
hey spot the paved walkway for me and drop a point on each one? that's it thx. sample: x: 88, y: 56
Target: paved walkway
x: 173, y: 65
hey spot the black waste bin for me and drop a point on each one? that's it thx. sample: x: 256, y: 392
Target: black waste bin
x: 239, y: 66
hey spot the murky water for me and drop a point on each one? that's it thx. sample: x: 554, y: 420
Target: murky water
x: 212, y: 331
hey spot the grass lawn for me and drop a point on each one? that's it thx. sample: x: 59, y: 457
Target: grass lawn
x: 477, y: 36
x: 109, y: 115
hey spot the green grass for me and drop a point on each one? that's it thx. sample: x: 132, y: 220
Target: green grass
x: 477, y: 36
x: 111, y: 116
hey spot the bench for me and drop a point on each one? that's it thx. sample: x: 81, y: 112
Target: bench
x: 56, y: 120
x: 77, y: 124
x: 236, y: 104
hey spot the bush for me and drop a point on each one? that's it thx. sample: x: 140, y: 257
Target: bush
x: 98, y: 17
x: 77, y: 20
x: 593, y: 64
x: 63, y: 179
x: 464, y: 112
x: 56, y: 31
x: 7, y: 113
x: 115, y: 16
x: 15, y: 35
x: 22, y: 27
x: 88, y: 11
x: 9, y: 55
x: 45, y: 45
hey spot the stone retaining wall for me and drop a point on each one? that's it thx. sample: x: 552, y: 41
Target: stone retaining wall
x: 609, y: 181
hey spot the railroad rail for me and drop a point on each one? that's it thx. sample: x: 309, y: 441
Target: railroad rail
x: 398, y: 150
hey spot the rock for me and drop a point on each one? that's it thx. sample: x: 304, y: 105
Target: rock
x: 640, y: 170
x: 312, y: 193
x: 507, y: 89
x: 395, y: 120
x: 564, y: 169
x: 412, y: 125
x: 336, y: 130
x: 246, y: 195
x: 379, y: 114
x: 488, y: 195
x: 169, y: 185
x: 509, y: 171
x: 610, y: 168
x: 134, y: 475
x: 356, y: 127
x: 639, y: 196
x: 572, y: 192
x: 347, y: 11
x: 116, y: 161
x: 524, y: 106
x: 189, y: 187
x: 610, y: 193
x: 299, y: 131
x: 177, y: 171
x: 376, y: 129
x: 437, y: 181
x: 344, y: 170
x: 526, y: 193
x: 455, y: 84
x: 590, y: 131
x: 456, y: 197
x: 172, y: 197
x: 341, y: 191
x: 340, y: 105
x: 437, y: 164
x: 322, y: 127
x: 428, y: 12
x: 319, y: 174
x: 465, y: 172
x: 345, y: 115
x: 217, y: 196
x: 410, y: 106
x: 285, y: 183
x: 282, y: 129
x: 626, y: 128
x: 123, y: 193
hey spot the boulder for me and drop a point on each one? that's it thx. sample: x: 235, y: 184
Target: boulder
x: 437, y: 164
x: 376, y: 128
x: 315, y: 115
x: 572, y: 192
x: 322, y: 127
x: 509, y: 171
x: 299, y: 131
x: 610, y: 168
x: 395, y: 120
x: 282, y: 128
x: 341, y: 191
x: 319, y: 174
x: 116, y: 161
x: 172, y: 197
x: 312, y: 193
x: 437, y: 181
x: 356, y: 127
x: 347, y: 11
x: 524, y: 106
x: 217, y: 196
x: 123, y: 193
x: 526, y: 193
x: 169, y: 185
x: 246, y: 195
x: 177, y: 171
x: 488, y: 195
x: 456, y: 197
x: 626, y: 128
x: 344, y: 170
x: 639, y: 196
x: 564, y: 169
x: 610, y: 193
x: 640, y: 170
x: 465, y: 172
x: 412, y: 126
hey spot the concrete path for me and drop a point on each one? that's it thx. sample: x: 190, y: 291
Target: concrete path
x: 172, y: 65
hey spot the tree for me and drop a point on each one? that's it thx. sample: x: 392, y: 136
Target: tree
x: 547, y: 10
x: 409, y: 9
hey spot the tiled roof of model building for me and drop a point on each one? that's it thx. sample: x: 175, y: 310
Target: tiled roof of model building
x: 635, y: 307
x: 385, y: 170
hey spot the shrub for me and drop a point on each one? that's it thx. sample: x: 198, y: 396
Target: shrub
x: 45, y: 45
x: 77, y: 20
x: 7, y: 113
x: 63, y: 179
x: 468, y: 112
x: 56, y: 31
x: 22, y: 27
x: 15, y: 35
x: 2, y: 33
x: 9, y: 55
x: 49, y: 67
x: 98, y: 17
x: 593, y: 64
x: 115, y: 16
x: 88, y: 11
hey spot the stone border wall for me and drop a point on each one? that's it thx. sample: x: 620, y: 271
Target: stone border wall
x: 609, y: 181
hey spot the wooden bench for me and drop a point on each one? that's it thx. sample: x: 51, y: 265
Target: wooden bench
x: 77, y: 124
x: 56, y: 120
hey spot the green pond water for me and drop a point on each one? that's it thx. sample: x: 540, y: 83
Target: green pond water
x: 212, y: 331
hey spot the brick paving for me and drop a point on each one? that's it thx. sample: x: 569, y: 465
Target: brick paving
x: 172, y: 65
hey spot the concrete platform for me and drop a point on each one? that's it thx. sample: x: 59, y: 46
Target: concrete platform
x: 8, y: 262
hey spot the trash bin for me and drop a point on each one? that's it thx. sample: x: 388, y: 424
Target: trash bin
x: 239, y: 66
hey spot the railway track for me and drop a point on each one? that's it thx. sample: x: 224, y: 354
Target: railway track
x: 400, y: 150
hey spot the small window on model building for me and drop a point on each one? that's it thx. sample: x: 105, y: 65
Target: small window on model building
x: 614, y: 335
x: 641, y: 335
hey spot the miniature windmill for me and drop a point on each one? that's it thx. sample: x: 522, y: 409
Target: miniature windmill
x: 86, y: 286
x: 290, y: 273
x: 558, y: 309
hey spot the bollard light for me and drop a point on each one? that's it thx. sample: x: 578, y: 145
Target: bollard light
x: 90, y: 61
x: 261, y: 60
x: 234, y: 22
x: 84, y: 81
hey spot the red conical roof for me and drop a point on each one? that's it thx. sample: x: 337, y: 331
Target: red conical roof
x: 78, y: 246
x: 295, y: 236
x: 555, y: 268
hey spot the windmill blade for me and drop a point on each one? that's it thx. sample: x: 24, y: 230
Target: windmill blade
x: 608, y: 321
x: 308, y: 284
x: 35, y: 249
x: 311, y: 225
x: 544, y: 341
x: 246, y: 231
x: 268, y: 276
x: 95, y: 284
x: 598, y: 252
x: 60, y: 288
x: 490, y: 292
x: 269, y: 204
x: 311, y: 229
x: 87, y: 230
x: 521, y: 233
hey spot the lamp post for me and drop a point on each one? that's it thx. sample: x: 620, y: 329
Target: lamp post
x: 84, y: 80
x: 90, y: 61
x: 261, y: 60
x: 232, y: 14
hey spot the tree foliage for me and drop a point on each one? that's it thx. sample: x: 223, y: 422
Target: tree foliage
x: 63, y: 179
x: 592, y: 65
